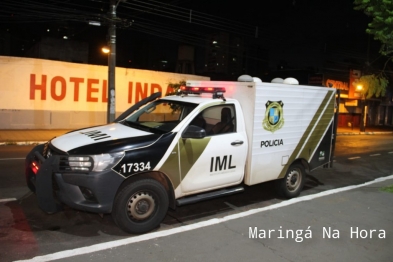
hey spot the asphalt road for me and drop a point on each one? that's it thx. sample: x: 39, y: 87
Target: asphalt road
x: 27, y: 232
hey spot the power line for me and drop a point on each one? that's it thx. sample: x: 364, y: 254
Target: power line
x: 189, y: 16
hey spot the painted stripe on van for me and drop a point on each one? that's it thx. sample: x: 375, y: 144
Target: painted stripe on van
x: 314, y: 132
x: 182, y: 158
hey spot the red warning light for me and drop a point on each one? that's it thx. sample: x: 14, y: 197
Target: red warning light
x: 34, y: 167
x: 202, y: 89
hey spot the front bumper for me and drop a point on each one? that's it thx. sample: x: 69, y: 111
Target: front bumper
x: 92, y: 192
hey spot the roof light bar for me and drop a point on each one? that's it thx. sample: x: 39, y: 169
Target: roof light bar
x: 191, y: 89
x: 218, y: 92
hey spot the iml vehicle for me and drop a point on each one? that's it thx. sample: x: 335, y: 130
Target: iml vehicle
x: 212, y: 139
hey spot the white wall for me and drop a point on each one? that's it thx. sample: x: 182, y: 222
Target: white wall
x: 44, y: 94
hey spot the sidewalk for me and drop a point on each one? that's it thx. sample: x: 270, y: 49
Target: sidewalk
x: 36, y: 136
x: 370, y: 130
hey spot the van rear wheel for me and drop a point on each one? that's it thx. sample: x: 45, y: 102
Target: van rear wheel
x: 140, y: 206
x: 292, y: 184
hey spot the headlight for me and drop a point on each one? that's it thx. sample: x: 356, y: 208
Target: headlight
x: 94, y: 162
x: 105, y: 161
x: 80, y: 163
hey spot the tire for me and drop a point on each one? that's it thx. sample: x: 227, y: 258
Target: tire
x: 292, y: 184
x: 140, y: 206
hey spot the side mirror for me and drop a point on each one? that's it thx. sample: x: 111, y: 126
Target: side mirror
x: 194, y: 132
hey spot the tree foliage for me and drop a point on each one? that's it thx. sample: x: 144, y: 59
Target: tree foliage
x: 373, y: 85
x: 173, y: 88
x: 381, y: 26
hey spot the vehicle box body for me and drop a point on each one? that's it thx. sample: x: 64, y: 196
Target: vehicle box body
x: 304, y: 129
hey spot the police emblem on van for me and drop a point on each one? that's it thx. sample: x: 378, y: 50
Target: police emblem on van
x: 274, y: 117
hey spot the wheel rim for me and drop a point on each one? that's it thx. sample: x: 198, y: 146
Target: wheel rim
x: 294, y: 179
x: 140, y: 205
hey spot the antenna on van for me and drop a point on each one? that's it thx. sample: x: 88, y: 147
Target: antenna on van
x: 219, y: 94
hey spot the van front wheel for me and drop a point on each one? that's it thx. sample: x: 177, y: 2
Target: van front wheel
x: 292, y: 184
x: 140, y: 206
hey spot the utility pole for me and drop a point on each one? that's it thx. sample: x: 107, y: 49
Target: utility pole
x: 111, y: 109
x: 363, y: 119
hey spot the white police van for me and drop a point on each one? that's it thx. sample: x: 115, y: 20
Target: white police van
x: 212, y: 139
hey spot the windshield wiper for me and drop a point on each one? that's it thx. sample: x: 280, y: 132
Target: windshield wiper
x: 143, y: 127
x: 133, y: 124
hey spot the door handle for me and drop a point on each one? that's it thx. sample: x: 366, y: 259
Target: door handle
x: 237, y: 143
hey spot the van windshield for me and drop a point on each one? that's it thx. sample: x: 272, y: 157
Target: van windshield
x: 160, y: 116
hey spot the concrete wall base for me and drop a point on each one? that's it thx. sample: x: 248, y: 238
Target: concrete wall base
x: 43, y: 119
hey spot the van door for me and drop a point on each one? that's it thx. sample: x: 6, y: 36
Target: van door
x: 216, y: 160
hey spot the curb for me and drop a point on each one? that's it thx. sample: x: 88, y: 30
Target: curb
x: 363, y: 133
x: 26, y: 143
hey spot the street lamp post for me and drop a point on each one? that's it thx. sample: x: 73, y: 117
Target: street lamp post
x: 111, y: 107
x: 362, y: 120
x: 359, y: 88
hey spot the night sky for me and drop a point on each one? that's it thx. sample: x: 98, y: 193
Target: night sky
x: 297, y: 33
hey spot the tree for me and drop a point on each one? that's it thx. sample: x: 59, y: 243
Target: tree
x: 381, y: 26
x: 174, y: 87
x: 373, y: 85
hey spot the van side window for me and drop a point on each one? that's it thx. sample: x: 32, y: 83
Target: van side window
x: 217, y: 119
x: 199, y: 120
